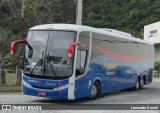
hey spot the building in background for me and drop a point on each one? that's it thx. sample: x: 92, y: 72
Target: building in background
x: 152, y: 34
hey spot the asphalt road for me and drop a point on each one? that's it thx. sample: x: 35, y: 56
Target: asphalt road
x: 149, y: 95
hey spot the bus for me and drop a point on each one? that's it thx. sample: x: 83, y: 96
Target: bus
x: 65, y: 61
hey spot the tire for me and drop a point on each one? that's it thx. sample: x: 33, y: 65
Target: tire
x: 141, y: 83
x: 95, y: 91
x: 137, y: 87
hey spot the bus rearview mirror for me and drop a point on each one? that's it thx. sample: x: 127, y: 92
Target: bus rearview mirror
x: 70, y: 48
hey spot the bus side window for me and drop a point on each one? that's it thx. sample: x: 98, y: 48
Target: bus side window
x: 81, y: 62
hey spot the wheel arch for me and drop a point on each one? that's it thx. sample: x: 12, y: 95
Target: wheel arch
x: 97, y: 79
x: 144, y: 78
x: 139, y: 77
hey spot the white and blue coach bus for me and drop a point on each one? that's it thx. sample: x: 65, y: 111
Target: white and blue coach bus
x: 65, y: 61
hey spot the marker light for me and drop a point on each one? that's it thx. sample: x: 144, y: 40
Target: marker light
x: 64, y: 86
x: 26, y: 84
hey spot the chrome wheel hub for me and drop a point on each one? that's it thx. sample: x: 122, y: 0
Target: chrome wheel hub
x: 93, y: 90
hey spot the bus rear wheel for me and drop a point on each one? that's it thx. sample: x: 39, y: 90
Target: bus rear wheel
x: 142, y: 83
x: 95, y: 91
x: 137, y: 87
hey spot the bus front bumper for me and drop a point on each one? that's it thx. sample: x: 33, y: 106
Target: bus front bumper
x: 56, y: 94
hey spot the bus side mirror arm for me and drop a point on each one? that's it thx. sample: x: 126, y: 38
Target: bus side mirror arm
x: 70, y: 48
x: 12, y: 49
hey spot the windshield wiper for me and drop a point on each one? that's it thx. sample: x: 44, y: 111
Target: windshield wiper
x: 52, y: 70
x: 51, y: 67
x: 40, y: 62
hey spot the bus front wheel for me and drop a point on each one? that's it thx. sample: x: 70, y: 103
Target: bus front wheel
x: 95, y: 91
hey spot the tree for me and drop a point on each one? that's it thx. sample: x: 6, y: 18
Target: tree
x: 2, y: 63
x: 8, y: 61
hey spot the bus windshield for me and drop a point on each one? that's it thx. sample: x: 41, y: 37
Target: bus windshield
x: 49, y: 59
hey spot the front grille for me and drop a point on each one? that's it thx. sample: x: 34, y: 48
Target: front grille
x: 38, y: 87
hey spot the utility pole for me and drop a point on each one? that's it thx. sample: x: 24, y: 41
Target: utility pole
x: 23, y: 8
x: 79, y: 4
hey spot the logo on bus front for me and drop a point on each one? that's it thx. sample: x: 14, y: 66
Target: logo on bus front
x: 33, y: 81
x: 52, y: 84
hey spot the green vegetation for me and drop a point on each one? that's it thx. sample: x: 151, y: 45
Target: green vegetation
x: 157, y: 68
x: 8, y: 61
x: 125, y: 15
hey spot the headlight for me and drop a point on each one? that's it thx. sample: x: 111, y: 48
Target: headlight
x: 26, y: 84
x: 63, y: 87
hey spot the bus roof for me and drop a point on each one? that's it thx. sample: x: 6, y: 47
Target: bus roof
x: 80, y: 28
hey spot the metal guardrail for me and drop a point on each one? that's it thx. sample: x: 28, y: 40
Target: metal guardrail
x: 8, y: 71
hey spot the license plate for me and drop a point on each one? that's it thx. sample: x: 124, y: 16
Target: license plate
x: 42, y: 93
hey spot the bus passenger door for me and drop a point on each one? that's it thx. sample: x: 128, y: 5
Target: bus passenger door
x: 82, y: 62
